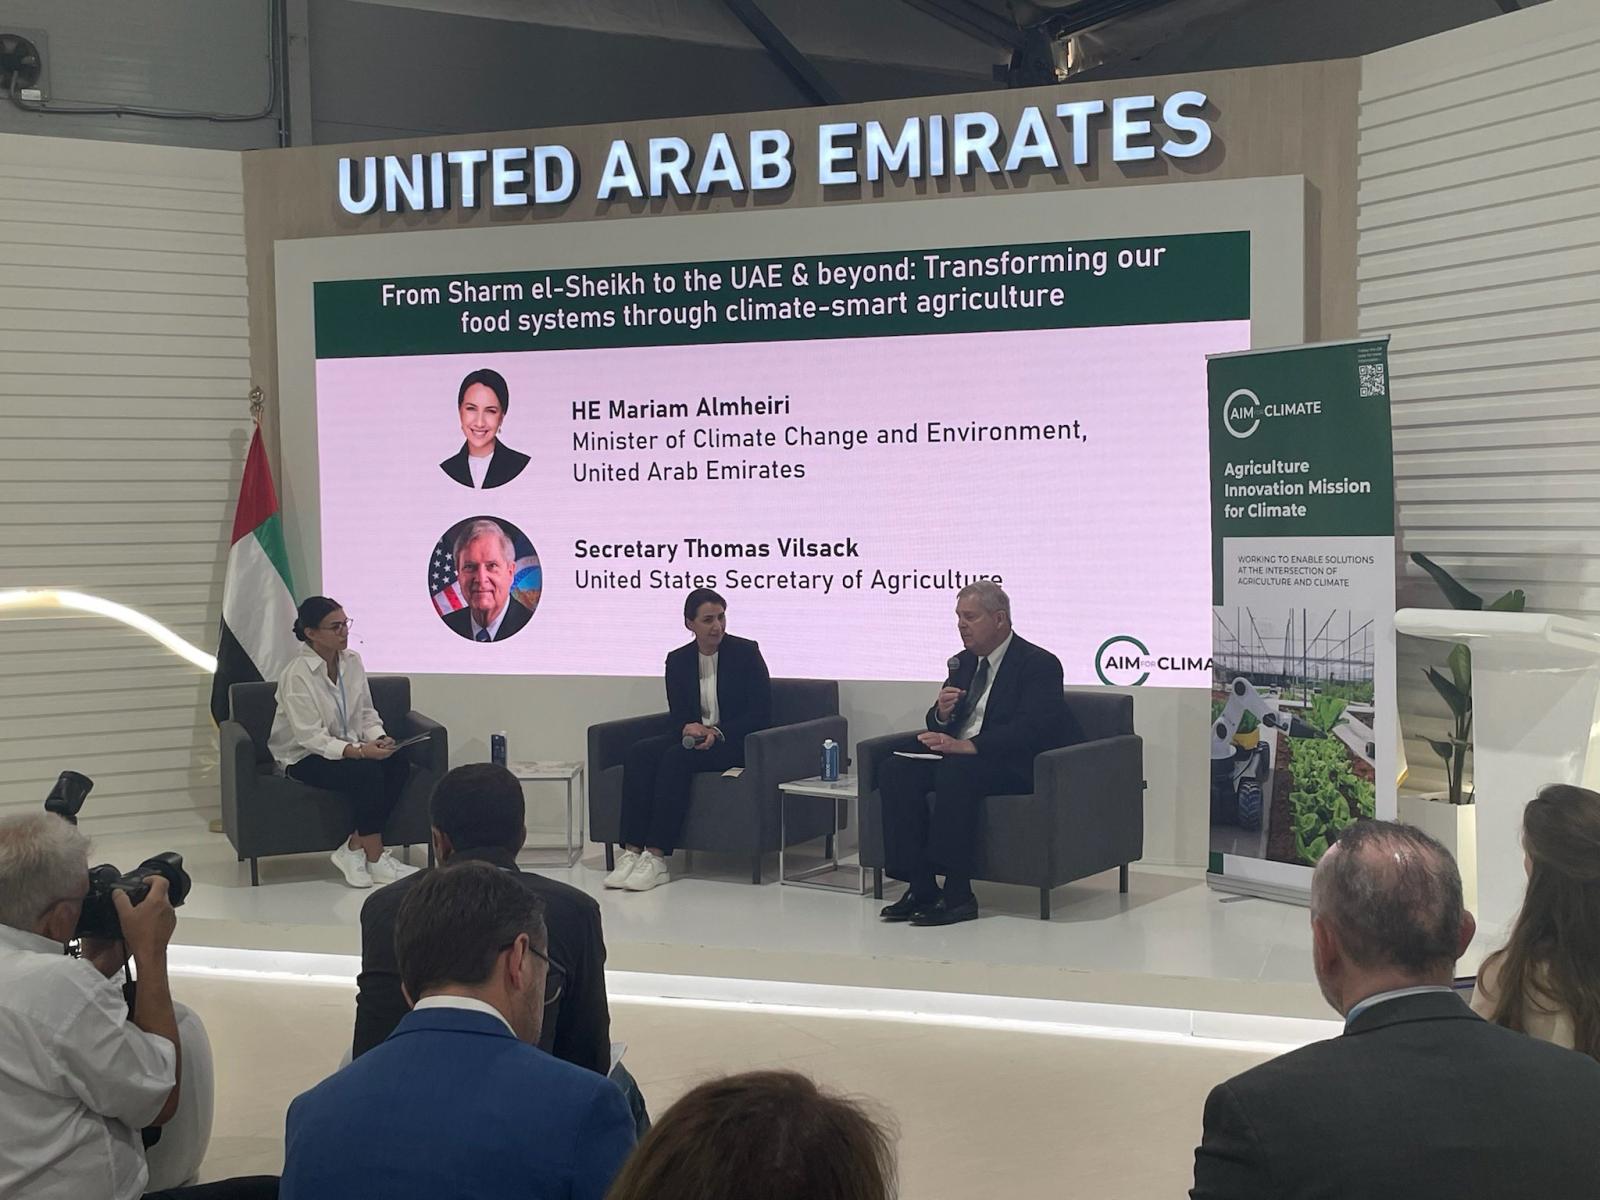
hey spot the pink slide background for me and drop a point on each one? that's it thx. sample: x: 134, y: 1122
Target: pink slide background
x: 1108, y: 536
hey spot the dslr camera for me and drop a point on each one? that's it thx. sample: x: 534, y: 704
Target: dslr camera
x: 99, y: 917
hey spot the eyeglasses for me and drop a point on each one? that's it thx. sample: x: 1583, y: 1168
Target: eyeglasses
x: 338, y: 627
x: 557, y: 971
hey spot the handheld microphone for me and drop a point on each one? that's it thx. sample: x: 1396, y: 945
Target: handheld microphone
x: 951, y: 667
x: 690, y: 742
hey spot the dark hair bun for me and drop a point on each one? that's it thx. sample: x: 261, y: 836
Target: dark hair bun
x: 312, y: 611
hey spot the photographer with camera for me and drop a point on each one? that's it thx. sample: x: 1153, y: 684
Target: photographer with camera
x: 79, y: 1075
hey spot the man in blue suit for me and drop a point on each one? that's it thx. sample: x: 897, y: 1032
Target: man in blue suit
x: 459, y: 1101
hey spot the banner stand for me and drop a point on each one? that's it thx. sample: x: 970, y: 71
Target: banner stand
x: 1304, y: 725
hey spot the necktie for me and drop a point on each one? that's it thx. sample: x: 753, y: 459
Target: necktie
x: 482, y: 635
x: 980, y: 681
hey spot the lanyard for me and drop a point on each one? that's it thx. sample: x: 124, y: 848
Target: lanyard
x: 344, y: 711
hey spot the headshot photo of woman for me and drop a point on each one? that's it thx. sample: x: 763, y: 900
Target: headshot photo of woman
x: 483, y: 460
x: 327, y: 733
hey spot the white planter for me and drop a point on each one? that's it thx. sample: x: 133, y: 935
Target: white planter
x: 1455, y: 826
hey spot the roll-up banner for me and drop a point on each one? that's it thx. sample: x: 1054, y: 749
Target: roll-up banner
x: 1304, y: 731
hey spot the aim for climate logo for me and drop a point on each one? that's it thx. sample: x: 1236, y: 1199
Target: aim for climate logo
x: 1124, y: 661
x: 1243, y: 411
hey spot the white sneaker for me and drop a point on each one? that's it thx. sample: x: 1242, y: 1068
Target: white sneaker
x: 388, y: 868
x: 649, y: 872
x: 625, y: 866
x: 353, y: 863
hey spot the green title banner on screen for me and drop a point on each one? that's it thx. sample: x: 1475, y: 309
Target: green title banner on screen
x: 977, y: 289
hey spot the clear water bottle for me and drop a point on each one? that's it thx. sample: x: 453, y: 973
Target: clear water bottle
x: 830, y: 761
x: 497, y: 748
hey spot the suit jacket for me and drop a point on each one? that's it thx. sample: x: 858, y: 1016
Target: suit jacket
x: 1026, y: 713
x: 516, y: 617
x: 1420, y: 1098
x: 504, y: 466
x: 744, y: 689
x: 453, y: 1105
x: 577, y: 1025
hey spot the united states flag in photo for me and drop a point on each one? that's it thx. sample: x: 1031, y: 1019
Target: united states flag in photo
x: 442, y: 580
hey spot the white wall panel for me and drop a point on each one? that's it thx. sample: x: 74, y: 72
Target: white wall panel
x: 1479, y: 253
x: 123, y: 422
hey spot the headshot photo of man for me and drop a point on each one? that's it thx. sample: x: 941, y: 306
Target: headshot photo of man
x: 485, y: 579
x: 483, y: 460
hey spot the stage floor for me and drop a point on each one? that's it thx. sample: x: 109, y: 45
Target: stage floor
x: 1170, y: 944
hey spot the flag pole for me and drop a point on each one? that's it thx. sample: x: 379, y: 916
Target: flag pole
x: 258, y: 403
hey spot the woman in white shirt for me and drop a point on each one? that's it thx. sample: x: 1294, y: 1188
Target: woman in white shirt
x: 327, y: 734
x: 1545, y: 981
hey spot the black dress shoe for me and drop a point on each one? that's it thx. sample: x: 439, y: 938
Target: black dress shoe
x: 905, y: 908
x: 941, y: 913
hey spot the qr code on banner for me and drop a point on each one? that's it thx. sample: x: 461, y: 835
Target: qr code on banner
x: 1372, y: 380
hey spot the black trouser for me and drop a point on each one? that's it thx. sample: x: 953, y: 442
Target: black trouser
x: 656, y: 776
x: 246, y: 1187
x: 371, y: 785
x: 918, y: 842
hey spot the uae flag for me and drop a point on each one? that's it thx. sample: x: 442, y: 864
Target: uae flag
x: 258, y: 606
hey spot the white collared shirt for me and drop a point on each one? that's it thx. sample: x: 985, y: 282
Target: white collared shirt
x: 708, y: 688
x: 493, y: 626
x: 1384, y: 997
x: 973, y: 725
x: 78, y: 1079
x: 479, y: 466
x: 316, y: 715
x: 469, y: 1003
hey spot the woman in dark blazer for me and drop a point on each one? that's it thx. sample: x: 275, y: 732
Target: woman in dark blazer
x: 718, y: 690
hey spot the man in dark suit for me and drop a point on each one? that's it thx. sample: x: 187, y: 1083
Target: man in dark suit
x: 483, y: 460
x: 1419, y: 1098
x: 718, y: 690
x: 1001, y: 705
x: 478, y: 815
x: 486, y: 564
x: 459, y: 1100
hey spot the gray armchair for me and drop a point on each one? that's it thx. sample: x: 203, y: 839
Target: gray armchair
x: 264, y: 812
x: 1085, y: 814
x: 729, y: 816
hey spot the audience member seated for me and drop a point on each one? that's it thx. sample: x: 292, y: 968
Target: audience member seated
x: 80, y: 1076
x: 1545, y: 981
x: 1420, y: 1097
x: 768, y: 1134
x: 478, y: 815
x: 459, y: 1100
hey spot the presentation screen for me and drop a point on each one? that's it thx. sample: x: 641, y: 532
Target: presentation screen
x: 526, y: 472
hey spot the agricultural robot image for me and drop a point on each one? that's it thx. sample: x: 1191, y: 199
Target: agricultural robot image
x: 1241, y: 764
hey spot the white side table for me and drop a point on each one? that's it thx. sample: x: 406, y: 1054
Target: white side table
x: 844, y: 788
x: 569, y: 773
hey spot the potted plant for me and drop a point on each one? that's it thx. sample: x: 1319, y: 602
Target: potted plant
x: 1449, y: 816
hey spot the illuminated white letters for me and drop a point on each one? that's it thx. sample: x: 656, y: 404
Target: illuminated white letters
x: 975, y: 133
x: 1032, y: 142
x: 829, y: 154
x: 1076, y: 114
x: 669, y: 156
x: 927, y: 146
x: 770, y: 167
x: 620, y: 172
x: 1124, y: 127
x: 368, y: 199
x: 904, y: 154
x: 505, y: 173
x: 1172, y: 113
x: 403, y: 177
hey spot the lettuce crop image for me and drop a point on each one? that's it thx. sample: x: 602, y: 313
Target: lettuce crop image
x: 1326, y: 793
